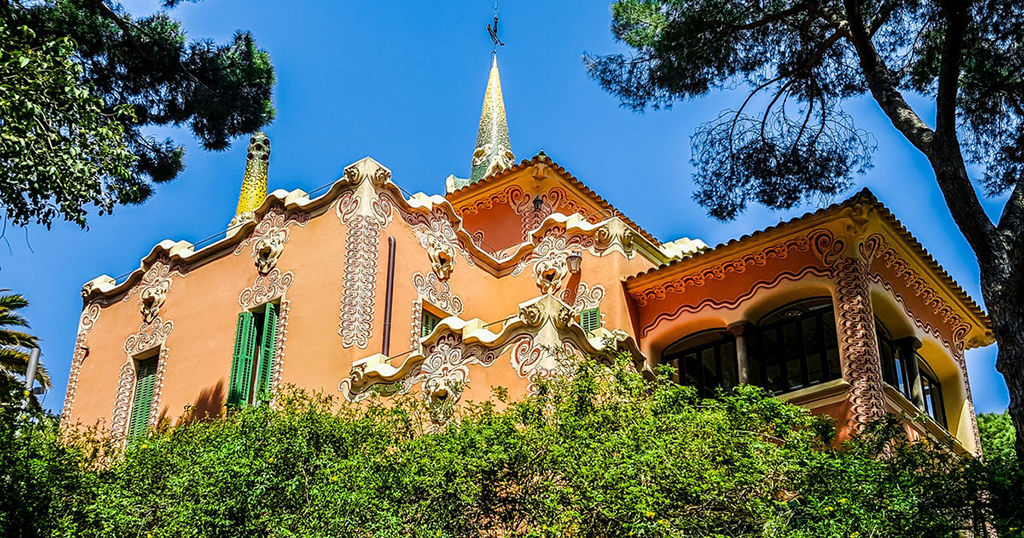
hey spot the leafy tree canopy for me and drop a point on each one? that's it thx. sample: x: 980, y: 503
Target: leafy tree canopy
x: 80, y: 80
x: 604, y: 453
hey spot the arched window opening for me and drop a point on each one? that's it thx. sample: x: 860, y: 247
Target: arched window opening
x: 796, y: 347
x: 931, y: 390
x: 895, y: 367
x: 706, y: 360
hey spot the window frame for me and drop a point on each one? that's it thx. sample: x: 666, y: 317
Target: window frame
x: 820, y: 309
x: 931, y: 393
x: 720, y: 339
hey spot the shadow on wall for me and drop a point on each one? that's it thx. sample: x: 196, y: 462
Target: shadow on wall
x: 209, y: 404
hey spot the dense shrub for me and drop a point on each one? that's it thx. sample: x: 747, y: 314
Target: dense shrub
x: 603, y: 453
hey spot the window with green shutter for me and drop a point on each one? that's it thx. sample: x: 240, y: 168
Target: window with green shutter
x: 430, y: 322
x: 253, y: 360
x: 142, y: 403
x: 268, y: 347
x: 590, y: 319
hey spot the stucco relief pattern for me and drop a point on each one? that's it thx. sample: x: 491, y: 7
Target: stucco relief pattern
x: 534, y: 362
x: 549, y: 257
x: 437, y: 236
x: 585, y: 297
x: 785, y: 276
x: 154, y: 285
x: 270, y: 235
x: 284, y: 310
x: 86, y: 322
x: 360, y: 281
x: 435, y: 292
x: 266, y: 288
x: 857, y: 342
x: 149, y: 336
x: 489, y: 202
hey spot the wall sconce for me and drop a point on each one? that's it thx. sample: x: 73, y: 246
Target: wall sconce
x: 538, y: 202
x: 574, y: 260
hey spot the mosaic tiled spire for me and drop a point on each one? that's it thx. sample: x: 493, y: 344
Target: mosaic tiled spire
x: 493, y: 151
x: 254, y: 184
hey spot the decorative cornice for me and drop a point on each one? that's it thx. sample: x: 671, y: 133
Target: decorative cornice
x: 546, y: 323
x: 739, y: 264
x: 859, y: 211
x: 875, y: 247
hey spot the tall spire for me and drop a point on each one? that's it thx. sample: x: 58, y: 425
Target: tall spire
x: 254, y: 184
x: 493, y: 151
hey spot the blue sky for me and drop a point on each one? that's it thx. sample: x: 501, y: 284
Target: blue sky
x: 403, y: 82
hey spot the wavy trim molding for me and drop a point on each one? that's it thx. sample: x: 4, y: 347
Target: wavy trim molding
x: 86, y: 322
x: 785, y: 276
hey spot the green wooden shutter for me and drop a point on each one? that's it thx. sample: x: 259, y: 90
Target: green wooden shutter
x: 241, y: 364
x: 269, y: 347
x: 590, y: 319
x: 142, y: 405
x: 430, y: 322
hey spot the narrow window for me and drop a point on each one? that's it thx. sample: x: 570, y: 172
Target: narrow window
x: 590, y: 319
x: 253, y: 360
x: 430, y: 322
x: 142, y: 403
x: 894, y: 367
x: 932, y: 391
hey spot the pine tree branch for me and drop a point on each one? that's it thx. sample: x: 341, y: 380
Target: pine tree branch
x: 881, y: 85
x: 942, y: 151
x: 774, y: 17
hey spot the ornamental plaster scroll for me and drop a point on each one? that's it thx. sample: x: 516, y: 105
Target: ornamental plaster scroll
x: 436, y: 292
x: 584, y: 298
x: 858, y: 346
x: 542, y: 328
x: 549, y: 258
x: 86, y: 322
x: 270, y: 235
x: 150, y: 336
x: 437, y: 235
x: 154, y: 286
x: 266, y: 288
x: 364, y: 211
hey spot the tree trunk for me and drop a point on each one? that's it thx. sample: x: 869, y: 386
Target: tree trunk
x: 1004, y: 297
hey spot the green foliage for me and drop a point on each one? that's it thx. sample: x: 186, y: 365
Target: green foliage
x: 14, y: 351
x: 604, y: 453
x: 80, y: 80
x: 1002, y: 474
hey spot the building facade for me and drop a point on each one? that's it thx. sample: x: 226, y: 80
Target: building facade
x: 364, y: 290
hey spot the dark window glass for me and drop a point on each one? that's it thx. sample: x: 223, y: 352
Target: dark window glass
x: 796, y: 347
x: 932, y: 392
x: 705, y: 360
x: 894, y: 366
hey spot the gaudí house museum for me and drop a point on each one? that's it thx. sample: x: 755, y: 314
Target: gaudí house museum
x: 364, y: 290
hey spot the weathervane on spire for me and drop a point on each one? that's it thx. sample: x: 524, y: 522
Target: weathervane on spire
x: 493, y: 31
